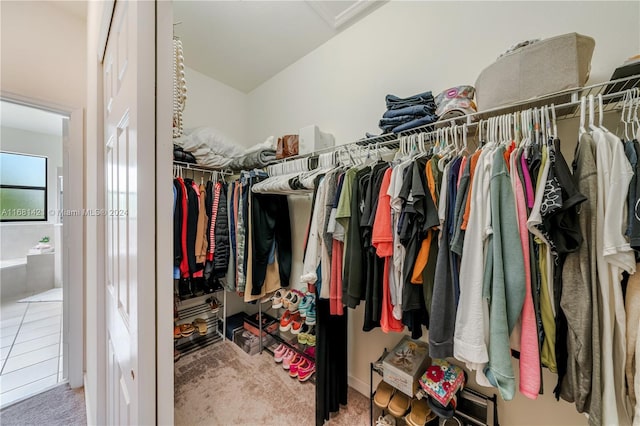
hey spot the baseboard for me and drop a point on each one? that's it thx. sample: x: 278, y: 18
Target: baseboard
x: 359, y: 385
x: 91, y: 420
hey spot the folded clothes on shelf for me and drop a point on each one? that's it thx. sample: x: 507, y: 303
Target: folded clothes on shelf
x: 407, y: 113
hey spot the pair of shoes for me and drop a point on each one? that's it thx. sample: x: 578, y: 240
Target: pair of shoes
x: 201, y: 325
x: 310, y: 314
x: 214, y: 303
x: 287, y: 322
x: 302, y: 368
x: 276, y: 299
x: 288, y: 299
x: 399, y: 404
x: 186, y: 330
x: 420, y: 413
x: 305, y: 332
x: 280, y: 352
x: 383, y: 395
x: 305, y: 304
x: 306, y: 371
x: 387, y: 420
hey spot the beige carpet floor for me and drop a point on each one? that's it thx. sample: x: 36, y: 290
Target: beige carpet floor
x: 221, y: 385
x: 59, y: 406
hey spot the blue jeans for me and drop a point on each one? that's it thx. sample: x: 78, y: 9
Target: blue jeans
x: 411, y: 110
x: 396, y: 121
x: 422, y: 121
x: 394, y: 102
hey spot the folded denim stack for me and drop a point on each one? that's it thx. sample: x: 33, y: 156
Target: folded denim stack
x: 407, y: 113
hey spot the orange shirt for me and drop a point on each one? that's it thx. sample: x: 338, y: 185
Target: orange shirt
x: 467, y: 207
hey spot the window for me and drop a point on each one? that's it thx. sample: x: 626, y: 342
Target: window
x: 23, y: 187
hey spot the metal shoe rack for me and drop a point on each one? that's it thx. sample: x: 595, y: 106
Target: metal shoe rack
x: 285, y: 337
x: 188, y: 311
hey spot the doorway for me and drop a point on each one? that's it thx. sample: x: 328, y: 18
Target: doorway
x: 35, y: 277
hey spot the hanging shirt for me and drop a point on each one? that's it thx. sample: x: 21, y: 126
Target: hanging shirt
x: 529, y: 350
x: 614, y: 175
x: 507, y: 278
x: 382, y: 241
x: 471, y: 336
x: 580, y: 295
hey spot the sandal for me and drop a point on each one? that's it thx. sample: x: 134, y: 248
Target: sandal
x: 399, y: 404
x: 419, y: 414
x: 186, y: 330
x: 383, y: 394
x: 201, y: 325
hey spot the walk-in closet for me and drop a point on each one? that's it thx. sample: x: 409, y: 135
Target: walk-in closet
x: 404, y: 213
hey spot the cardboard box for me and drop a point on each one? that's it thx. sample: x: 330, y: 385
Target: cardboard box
x: 404, y: 365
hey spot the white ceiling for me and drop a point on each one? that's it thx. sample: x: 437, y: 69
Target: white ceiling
x: 245, y: 43
x: 30, y: 119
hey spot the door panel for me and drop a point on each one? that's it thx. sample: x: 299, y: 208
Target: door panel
x: 129, y: 119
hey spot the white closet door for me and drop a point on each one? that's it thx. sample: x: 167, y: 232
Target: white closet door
x: 129, y: 123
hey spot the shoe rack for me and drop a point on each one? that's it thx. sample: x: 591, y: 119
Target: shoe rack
x: 285, y: 337
x: 474, y: 408
x: 199, y: 307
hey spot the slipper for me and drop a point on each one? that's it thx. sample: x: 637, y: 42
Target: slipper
x: 186, y: 330
x: 383, y: 395
x: 399, y: 404
x: 201, y: 325
x: 419, y: 414
x: 176, y: 332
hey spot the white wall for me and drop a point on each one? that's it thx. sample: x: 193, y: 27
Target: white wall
x: 214, y: 104
x: 43, y: 52
x: 409, y: 47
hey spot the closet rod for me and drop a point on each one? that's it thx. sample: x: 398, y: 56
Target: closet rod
x: 200, y: 168
x: 564, y: 110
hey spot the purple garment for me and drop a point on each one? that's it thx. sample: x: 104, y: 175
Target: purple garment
x: 528, y: 185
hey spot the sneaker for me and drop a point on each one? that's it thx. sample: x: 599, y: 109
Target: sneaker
x: 176, y: 355
x: 387, y: 420
x: 311, y: 337
x: 295, y: 300
x: 311, y: 314
x: 302, y: 335
x: 280, y: 352
x: 289, y: 358
x: 311, y: 351
x: 277, y: 298
x: 301, y: 364
x: 305, y: 303
x: 305, y: 373
x: 287, y: 319
x: 177, y: 333
x: 286, y: 299
x: 296, y: 325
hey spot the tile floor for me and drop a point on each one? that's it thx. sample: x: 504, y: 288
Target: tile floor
x: 30, y: 348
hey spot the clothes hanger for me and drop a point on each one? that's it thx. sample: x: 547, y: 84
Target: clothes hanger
x: 636, y: 117
x: 592, y: 126
x: 554, y: 120
x: 583, y: 111
x: 601, y: 113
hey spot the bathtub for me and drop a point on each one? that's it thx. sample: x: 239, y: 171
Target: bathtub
x: 13, y: 277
